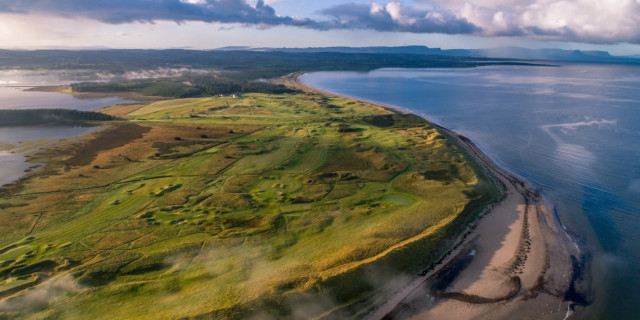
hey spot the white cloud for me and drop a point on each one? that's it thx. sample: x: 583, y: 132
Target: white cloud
x: 393, y: 8
x: 596, y: 21
x: 586, y: 21
x: 378, y: 9
x: 394, y: 16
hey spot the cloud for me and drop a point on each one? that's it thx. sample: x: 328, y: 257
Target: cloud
x: 604, y: 21
x: 393, y: 16
x: 125, y: 11
x: 39, y: 297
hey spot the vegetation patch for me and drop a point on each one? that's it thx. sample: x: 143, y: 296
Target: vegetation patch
x: 232, y: 208
x: 19, y: 117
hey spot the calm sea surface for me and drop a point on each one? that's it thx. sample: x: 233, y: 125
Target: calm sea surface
x: 13, y: 96
x: 573, y: 131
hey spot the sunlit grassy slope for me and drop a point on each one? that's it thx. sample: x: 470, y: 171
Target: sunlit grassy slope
x: 268, y: 206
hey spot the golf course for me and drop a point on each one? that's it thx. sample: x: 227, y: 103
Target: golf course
x: 256, y: 206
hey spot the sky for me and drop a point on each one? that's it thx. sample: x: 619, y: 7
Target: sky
x: 612, y: 25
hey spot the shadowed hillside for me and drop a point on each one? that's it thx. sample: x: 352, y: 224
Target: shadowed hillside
x: 49, y: 116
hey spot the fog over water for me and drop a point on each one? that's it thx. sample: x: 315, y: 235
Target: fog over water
x: 13, y: 96
x: 14, y: 82
x: 571, y: 130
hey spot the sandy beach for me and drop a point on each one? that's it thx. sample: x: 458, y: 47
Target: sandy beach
x: 514, y: 262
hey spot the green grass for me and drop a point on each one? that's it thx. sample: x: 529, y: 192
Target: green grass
x: 249, y: 209
x: 399, y: 199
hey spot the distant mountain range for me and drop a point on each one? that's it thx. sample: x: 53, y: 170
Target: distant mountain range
x: 501, y: 52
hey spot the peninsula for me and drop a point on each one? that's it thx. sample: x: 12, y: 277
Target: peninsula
x: 292, y: 205
x: 174, y: 164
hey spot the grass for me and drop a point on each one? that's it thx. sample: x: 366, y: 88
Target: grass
x: 275, y: 206
x: 26, y: 117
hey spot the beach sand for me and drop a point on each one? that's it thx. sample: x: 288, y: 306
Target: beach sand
x: 515, y: 262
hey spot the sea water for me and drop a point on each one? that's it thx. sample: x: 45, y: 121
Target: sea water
x: 14, y: 82
x: 13, y: 96
x: 572, y: 130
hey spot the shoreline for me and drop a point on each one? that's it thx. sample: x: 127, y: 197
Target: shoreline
x: 66, y: 89
x: 297, y: 80
x: 17, y: 162
x: 15, y: 154
x: 514, y: 261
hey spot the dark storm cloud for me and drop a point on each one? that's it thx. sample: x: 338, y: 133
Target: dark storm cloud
x: 123, y: 11
x: 391, y: 17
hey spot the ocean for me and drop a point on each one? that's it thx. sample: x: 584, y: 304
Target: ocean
x: 571, y: 130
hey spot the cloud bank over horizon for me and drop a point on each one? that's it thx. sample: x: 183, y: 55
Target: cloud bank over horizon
x: 586, y: 21
x: 591, y: 21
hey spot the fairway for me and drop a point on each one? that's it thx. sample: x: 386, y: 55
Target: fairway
x: 270, y: 206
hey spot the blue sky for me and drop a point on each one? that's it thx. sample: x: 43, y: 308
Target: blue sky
x: 204, y: 24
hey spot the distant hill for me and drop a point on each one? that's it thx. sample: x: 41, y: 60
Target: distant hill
x: 388, y: 50
x: 245, y: 64
x: 500, y: 52
x: 537, y: 54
